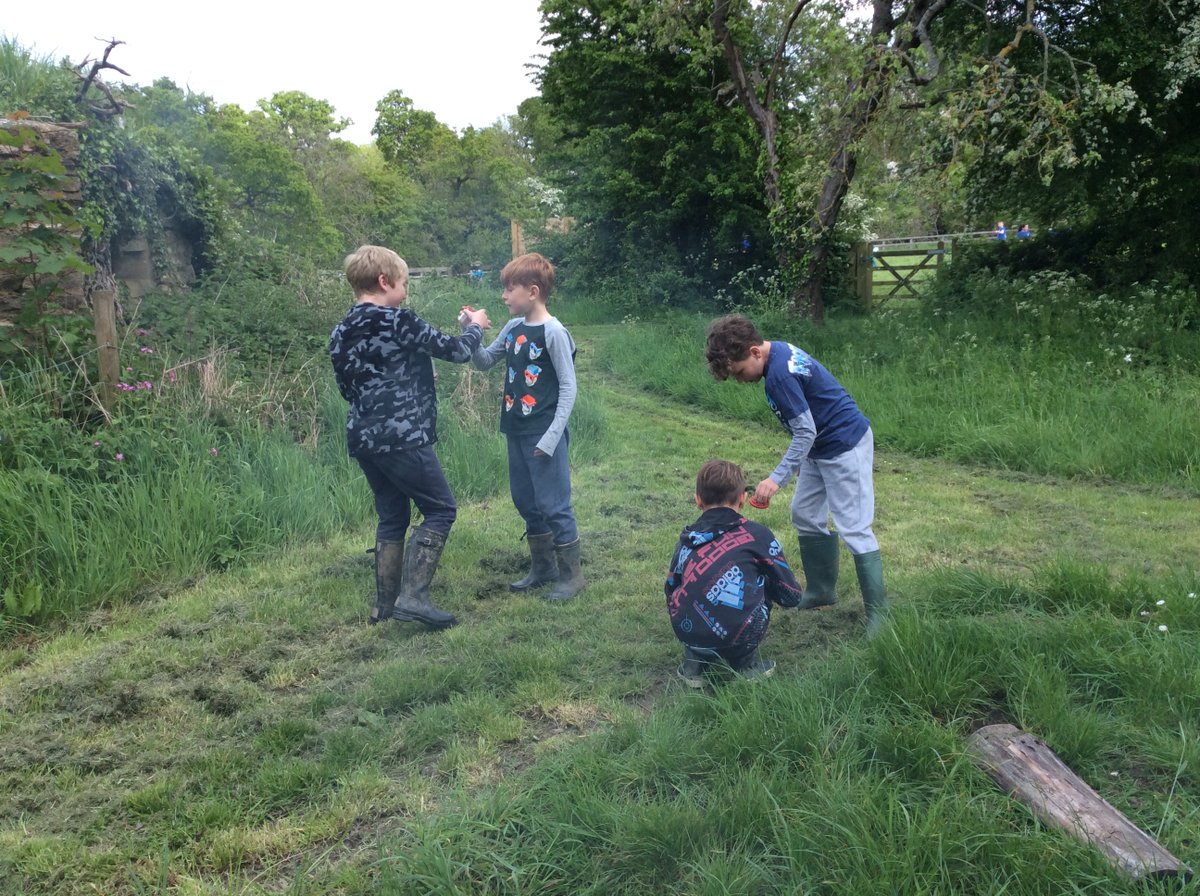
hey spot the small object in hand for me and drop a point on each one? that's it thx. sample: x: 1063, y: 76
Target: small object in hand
x: 464, y: 316
x: 750, y: 489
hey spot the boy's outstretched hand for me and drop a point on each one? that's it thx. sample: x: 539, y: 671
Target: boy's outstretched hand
x: 470, y: 315
x: 763, y: 492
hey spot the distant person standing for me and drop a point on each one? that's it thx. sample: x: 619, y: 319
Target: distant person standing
x: 1001, y: 232
x: 1023, y: 232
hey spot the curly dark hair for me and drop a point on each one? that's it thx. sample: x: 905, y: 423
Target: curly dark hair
x: 729, y: 340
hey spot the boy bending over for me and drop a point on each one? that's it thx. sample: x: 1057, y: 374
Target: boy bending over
x: 831, y: 455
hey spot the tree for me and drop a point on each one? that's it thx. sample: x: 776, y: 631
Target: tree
x: 660, y: 176
x: 407, y: 136
x: 1109, y: 151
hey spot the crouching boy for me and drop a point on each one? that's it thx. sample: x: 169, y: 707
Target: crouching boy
x: 725, y: 574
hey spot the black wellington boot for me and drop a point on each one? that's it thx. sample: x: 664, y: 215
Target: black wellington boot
x: 420, y: 563
x: 570, y: 577
x: 542, y: 566
x: 389, y: 569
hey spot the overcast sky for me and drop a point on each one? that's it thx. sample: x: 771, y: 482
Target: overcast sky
x: 463, y: 60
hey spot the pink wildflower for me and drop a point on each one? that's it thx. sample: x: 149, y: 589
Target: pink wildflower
x: 120, y: 456
x: 146, y: 350
x: 212, y: 451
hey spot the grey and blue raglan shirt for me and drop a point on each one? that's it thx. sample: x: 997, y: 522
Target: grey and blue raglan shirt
x: 813, y: 406
x: 539, y: 379
x: 383, y: 362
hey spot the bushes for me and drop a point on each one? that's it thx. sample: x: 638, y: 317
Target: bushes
x: 207, y: 459
x: 991, y: 289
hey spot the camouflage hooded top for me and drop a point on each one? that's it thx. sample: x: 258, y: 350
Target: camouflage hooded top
x: 383, y: 361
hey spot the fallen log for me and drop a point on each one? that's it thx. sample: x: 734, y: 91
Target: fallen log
x: 1030, y: 771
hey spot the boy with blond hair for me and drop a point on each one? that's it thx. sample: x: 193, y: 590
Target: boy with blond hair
x: 831, y: 454
x: 382, y: 358
x: 538, y: 395
x: 725, y: 574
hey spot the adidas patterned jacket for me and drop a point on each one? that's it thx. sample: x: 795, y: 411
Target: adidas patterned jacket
x: 725, y: 574
x: 383, y: 362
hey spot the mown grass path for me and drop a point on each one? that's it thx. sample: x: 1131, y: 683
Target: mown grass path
x: 249, y: 731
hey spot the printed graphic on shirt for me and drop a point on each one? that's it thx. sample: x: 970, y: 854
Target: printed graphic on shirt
x: 535, y: 351
x: 730, y: 589
x: 799, y: 364
x: 508, y: 402
x: 512, y: 374
x: 711, y: 621
x: 520, y: 342
x: 531, y: 375
x: 528, y: 403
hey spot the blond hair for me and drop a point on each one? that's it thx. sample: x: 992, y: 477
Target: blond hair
x: 365, y: 264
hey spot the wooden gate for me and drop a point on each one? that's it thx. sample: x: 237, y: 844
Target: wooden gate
x: 883, y: 272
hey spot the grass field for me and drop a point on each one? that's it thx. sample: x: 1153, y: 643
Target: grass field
x: 246, y: 733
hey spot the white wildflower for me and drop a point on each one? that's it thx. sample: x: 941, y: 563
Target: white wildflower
x: 1162, y: 628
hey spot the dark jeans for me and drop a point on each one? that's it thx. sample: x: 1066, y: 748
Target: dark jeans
x: 541, y: 488
x: 399, y: 477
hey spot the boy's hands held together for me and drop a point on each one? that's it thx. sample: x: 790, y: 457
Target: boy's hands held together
x: 470, y: 315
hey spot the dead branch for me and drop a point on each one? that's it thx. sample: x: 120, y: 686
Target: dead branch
x: 92, y: 79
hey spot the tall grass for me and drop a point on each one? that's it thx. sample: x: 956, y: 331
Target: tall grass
x: 206, y: 463
x: 957, y: 394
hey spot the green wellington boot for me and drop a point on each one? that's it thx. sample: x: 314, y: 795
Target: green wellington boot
x: 389, y: 568
x: 420, y: 563
x: 870, y: 581
x: 570, y: 578
x: 542, y: 565
x: 819, y: 557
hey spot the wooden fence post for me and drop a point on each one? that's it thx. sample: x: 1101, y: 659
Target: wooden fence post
x: 104, y: 315
x: 518, y: 238
x: 864, y: 274
x: 1028, y: 770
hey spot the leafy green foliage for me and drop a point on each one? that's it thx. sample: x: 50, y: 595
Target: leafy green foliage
x: 1090, y: 137
x: 661, y: 175
x: 33, y: 85
x: 40, y: 244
